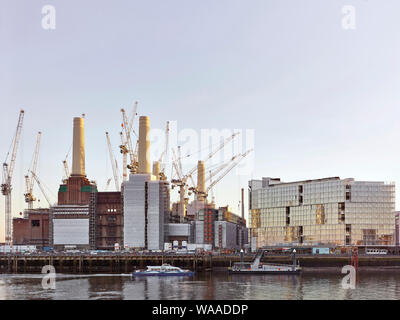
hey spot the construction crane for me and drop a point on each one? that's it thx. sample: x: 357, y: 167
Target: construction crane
x: 124, y: 150
x: 234, y: 164
x: 29, y: 181
x: 127, y: 143
x: 108, y: 183
x: 66, y: 169
x: 189, y: 175
x: 181, y: 183
x: 213, y: 173
x: 218, y: 169
x: 182, y: 180
x: 65, y: 165
x: 133, y: 116
x: 212, y: 193
x: 163, y: 157
x: 114, y: 164
x: 6, y: 187
x: 41, y: 188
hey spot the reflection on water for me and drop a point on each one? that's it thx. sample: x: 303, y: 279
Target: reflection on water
x: 372, y: 285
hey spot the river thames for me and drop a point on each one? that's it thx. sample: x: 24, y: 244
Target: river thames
x: 209, y: 286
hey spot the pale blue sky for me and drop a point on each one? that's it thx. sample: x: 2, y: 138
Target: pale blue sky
x: 323, y: 101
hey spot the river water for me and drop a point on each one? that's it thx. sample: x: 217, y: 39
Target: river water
x: 308, y: 286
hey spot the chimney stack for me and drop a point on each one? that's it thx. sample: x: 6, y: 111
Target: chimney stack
x: 144, y: 145
x: 78, y: 157
x: 156, y: 169
x: 201, y: 180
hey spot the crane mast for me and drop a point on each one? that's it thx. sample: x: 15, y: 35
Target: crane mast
x: 108, y: 183
x: 133, y: 166
x: 66, y: 169
x: 113, y: 164
x: 163, y: 157
x: 7, y: 179
x: 181, y: 184
x: 125, y: 152
x: 29, y: 198
x: 65, y: 165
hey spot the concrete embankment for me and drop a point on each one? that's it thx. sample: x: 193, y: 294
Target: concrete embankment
x: 128, y: 263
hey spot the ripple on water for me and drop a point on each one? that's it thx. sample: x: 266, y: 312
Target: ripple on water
x: 202, y: 286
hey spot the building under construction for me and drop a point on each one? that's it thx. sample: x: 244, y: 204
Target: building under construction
x: 146, y: 200
x: 106, y: 221
x: 138, y: 215
x: 69, y: 219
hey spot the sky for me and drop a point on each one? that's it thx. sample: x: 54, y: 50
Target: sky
x: 317, y: 99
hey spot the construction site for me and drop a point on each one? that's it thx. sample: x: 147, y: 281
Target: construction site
x: 139, y: 215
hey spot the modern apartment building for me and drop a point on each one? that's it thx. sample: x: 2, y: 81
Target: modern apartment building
x: 323, y: 211
x: 145, y: 211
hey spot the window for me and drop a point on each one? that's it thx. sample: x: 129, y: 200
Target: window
x: 111, y: 219
x: 35, y: 223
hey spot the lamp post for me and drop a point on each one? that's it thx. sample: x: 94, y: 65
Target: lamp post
x: 241, y: 255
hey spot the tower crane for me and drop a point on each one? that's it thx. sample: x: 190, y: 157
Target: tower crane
x: 125, y: 152
x: 212, y: 193
x: 29, y: 181
x: 66, y: 169
x: 234, y: 164
x: 133, y: 166
x: 41, y: 188
x: 114, y: 164
x: 65, y: 164
x: 163, y: 157
x: 178, y: 164
x: 6, y: 187
x: 210, y: 155
x: 181, y: 182
x: 108, y: 183
x: 218, y: 169
x: 133, y: 116
x: 213, y: 173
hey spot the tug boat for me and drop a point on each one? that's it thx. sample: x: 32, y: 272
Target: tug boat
x: 256, y: 267
x: 164, y: 270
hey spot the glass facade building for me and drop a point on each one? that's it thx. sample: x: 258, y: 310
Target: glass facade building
x: 330, y: 211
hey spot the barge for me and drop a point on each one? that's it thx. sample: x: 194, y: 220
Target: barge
x: 257, y: 267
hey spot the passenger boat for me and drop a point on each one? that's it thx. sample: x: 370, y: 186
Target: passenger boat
x: 164, y: 270
x: 256, y: 267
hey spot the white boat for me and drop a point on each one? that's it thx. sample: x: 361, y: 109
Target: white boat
x: 164, y: 270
